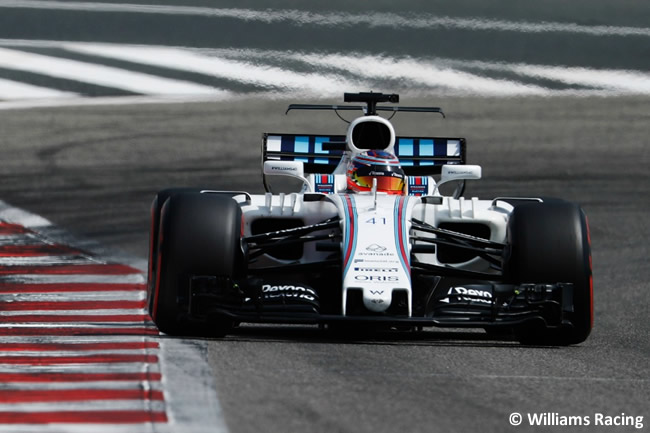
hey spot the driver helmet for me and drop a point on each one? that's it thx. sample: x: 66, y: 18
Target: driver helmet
x: 376, y: 164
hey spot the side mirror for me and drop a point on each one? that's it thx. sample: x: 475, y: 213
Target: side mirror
x: 287, y: 168
x: 459, y: 172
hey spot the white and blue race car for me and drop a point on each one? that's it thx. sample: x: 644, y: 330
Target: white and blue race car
x: 369, y: 240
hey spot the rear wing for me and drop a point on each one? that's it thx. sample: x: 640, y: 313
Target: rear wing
x: 419, y: 156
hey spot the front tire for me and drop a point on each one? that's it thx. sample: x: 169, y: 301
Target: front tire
x: 154, y: 229
x: 199, y: 234
x: 550, y: 243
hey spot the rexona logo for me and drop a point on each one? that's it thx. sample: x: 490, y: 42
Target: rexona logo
x: 483, y: 296
x: 289, y: 292
x: 377, y: 278
x: 375, y: 248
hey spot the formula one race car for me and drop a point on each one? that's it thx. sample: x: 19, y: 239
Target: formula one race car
x: 369, y: 240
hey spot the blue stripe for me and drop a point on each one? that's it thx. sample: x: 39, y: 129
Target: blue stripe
x: 349, y: 237
x: 302, y: 144
x: 318, y: 144
x: 440, y: 147
x: 405, y: 147
x: 426, y: 147
x: 401, y: 233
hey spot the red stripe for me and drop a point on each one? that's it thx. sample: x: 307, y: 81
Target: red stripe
x: 74, y: 318
x: 101, y: 269
x: 348, y: 252
x: 78, y: 377
x: 156, y: 287
x: 12, y: 229
x: 130, y: 345
x: 71, y: 305
x: 88, y: 359
x: 61, y: 395
x: 90, y: 417
x: 74, y: 331
x: 35, y: 250
x: 400, y: 228
x: 591, y: 277
x: 69, y: 287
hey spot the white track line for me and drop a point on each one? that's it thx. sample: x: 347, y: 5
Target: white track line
x: 632, y: 82
x: 334, y: 19
x: 112, y: 385
x: 114, y: 100
x: 245, y: 72
x: 24, y: 218
x: 135, y: 295
x: 131, y: 367
x: 33, y: 278
x: 87, y: 405
x: 190, y: 390
x: 101, y: 75
x: 91, y: 428
x: 15, y: 90
x: 420, y: 72
x: 44, y: 260
x: 103, y: 312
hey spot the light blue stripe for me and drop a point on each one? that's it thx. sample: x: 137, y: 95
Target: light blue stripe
x: 426, y: 148
x: 349, y: 237
x: 319, y: 144
x: 301, y: 145
x: 401, y: 234
x: 405, y: 147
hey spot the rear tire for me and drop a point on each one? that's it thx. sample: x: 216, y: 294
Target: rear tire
x: 199, y: 235
x: 550, y: 243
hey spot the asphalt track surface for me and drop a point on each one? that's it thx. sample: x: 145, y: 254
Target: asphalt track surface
x: 93, y: 170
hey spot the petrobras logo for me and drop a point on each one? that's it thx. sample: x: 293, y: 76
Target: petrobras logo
x: 377, y: 270
x: 388, y: 262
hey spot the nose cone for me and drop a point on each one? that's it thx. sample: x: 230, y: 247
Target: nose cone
x: 377, y: 300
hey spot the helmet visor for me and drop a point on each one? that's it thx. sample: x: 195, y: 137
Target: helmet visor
x: 384, y: 183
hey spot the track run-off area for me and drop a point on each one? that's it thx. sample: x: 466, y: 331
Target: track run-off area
x: 79, y: 351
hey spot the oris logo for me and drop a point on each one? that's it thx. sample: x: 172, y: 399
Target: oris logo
x: 377, y: 278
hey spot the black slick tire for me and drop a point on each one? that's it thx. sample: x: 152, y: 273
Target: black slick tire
x: 550, y: 243
x: 199, y: 234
